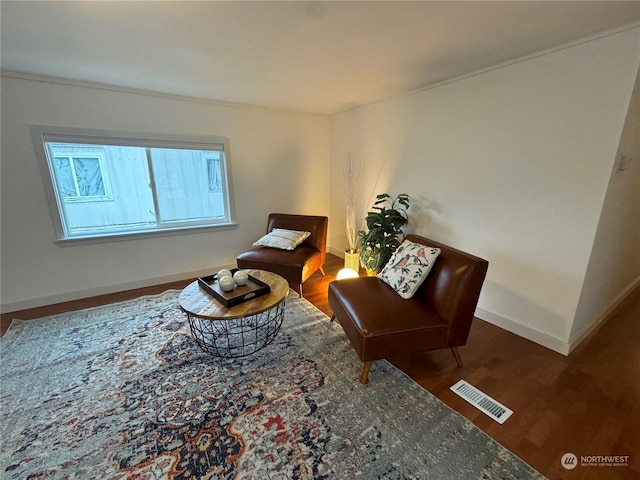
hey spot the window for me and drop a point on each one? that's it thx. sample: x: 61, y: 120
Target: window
x: 80, y: 171
x: 103, y: 184
x: 213, y: 173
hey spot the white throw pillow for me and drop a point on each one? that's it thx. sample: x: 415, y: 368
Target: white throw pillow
x: 283, y: 239
x: 408, y: 267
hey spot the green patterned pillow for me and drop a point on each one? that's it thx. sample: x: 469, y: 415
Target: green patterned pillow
x: 408, y: 267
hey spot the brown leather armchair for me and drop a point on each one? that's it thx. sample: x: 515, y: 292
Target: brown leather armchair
x: 380, y: 324
x: 296, y: 266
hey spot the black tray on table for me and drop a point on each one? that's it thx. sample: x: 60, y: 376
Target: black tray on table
x: 254, y: 288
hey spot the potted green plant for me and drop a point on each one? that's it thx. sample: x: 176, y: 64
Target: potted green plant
x: 384, y: 224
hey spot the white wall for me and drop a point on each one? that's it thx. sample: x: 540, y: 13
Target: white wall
x: 278, y: 160
x: 614, y: 266
x: 512, y: 164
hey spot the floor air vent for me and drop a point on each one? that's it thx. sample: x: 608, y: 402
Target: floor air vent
x: 488, y: 405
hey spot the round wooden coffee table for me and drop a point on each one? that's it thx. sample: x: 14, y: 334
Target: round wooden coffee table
x: 240, y: 330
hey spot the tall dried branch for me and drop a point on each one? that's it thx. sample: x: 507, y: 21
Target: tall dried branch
x: 351, y: 180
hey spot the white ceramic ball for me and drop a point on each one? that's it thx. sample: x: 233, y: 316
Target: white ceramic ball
x: 241, y: 277
x: 227, y: 283
x: 223, y: 273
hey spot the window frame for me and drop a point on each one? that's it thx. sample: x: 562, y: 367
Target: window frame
x: 41, y: 134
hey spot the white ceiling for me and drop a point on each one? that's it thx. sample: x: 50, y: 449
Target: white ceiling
x: 321, y: 56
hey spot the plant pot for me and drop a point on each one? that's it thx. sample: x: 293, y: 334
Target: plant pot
x: 352, y: 261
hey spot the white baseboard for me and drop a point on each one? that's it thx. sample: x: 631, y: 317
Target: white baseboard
x: 553, y: 343
x: 105, y: 290
x: 529, y: 333
x: 604, y: 316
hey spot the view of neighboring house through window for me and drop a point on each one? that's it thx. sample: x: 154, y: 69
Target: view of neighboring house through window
x: 213, y: 172
x: 80, y: 176
x: 105, y: 185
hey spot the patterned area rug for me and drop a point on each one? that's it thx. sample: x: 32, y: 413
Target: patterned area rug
x: 123, y: 392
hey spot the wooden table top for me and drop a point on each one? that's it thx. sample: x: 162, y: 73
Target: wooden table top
x: 196, y: 301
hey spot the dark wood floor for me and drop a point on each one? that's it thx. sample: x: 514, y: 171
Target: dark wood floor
x: 587, y: 403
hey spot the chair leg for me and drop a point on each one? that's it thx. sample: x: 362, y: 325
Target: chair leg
x: 456, y: 354
x: 300, y: 290
x: 364, y: 378
x: 322, y: 271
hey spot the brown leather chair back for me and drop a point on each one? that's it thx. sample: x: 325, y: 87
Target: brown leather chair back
x: 453, y: 287
x: 317, y: 225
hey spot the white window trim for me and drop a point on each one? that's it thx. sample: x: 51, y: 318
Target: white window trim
x: 46, y: 133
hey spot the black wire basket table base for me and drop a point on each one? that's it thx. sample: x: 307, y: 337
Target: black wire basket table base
x: 237, y: 337
x: 239, y: 330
